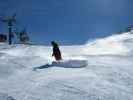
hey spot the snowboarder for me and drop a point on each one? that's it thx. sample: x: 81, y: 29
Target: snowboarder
x: 56, y: 51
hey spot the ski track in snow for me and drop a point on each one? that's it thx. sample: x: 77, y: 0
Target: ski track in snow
x: 107, y: 76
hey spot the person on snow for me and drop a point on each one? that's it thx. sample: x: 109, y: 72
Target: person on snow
x: 56, y: 51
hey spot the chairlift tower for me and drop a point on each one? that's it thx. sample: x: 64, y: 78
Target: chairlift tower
x: 10, y: 20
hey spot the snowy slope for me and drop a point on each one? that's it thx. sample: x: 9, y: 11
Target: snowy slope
x: 107, y: 75
x: 115, y: 44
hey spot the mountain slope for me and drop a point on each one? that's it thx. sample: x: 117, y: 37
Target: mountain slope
x: 107, y: 76
x: 119, y: 44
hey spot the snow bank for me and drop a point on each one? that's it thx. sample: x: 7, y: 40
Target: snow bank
x: 113, y: 45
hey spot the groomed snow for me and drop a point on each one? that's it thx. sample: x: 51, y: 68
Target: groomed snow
x: 107, y: 73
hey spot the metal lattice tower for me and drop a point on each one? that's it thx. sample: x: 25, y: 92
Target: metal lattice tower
x: 9, y: 20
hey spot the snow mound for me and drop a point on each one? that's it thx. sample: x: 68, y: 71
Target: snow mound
x: 65, y: 64
x: 71, y: 63
x: 113, y: 45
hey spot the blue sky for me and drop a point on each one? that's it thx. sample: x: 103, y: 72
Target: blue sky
x: 68, y: 21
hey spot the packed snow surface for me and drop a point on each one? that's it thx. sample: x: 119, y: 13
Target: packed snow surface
x: 99, y: 70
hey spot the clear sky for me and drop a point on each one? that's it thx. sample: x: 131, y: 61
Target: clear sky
x: 68, y: 21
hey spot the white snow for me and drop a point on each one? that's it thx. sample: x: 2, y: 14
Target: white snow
x: 114, y: 44
x: 99, y: 70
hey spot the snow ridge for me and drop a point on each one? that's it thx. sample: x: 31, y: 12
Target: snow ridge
x: 112, y: 45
